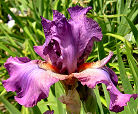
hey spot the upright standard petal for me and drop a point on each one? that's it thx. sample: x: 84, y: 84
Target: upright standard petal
x: 85, y: 30
x: 60, y: 44
x: 68, y: 43
x: 31, y: 80
x: 91, y: 77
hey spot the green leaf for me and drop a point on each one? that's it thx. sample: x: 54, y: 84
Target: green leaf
x: 7, y: 35
x: 41, y: 7
x: 110, y: 16
x: 89, y: 103
x: 30, y: 45
x: 42, y: 105
x: 7, y: 49
x: 125, y: 82
x: 96, y: 91
x: 134, y: 30
x: 119, y: 38
x: 19, y: 22
x: 36, y: 110
x: 25, y: 110
x: 82, y: 110
x: 3, y: 92
x: 59, y: 91
x: 132, y: 65
x: 9, y: 106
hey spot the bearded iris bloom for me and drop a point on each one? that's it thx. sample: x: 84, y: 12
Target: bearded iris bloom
x: 67, y: 46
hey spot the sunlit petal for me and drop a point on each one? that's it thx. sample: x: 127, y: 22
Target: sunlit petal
x: 91, y: 77
x: 29, y: 80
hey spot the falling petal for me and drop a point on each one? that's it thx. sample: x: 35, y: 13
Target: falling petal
x: 29, y: 80
x: 91, y: 77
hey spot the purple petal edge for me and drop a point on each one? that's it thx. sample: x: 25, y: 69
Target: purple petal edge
x: 30, y: 82
x: 91, y: 77
x: 122, y: 101
x: 69, y: 42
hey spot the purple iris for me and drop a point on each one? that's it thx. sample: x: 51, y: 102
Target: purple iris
x: 67, y: 46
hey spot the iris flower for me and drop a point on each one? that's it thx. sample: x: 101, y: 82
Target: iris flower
x: 68, y: 44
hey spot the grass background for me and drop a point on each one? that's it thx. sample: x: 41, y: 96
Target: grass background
x: 118, y: 20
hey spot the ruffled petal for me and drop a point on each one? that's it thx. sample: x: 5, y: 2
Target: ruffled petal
x: 57, y: 16
x: 60, y: 44
x: 91, y: 77
x: 69, y: 43
x: 101, y: 64
x: 29, y: 79
x: 85, y: 29
x: 39, y: 51
x: 119, y: 100
x: 112, y: 75
x: 97, y: 64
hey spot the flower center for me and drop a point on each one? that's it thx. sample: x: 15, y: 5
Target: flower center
x: 47, y: 66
